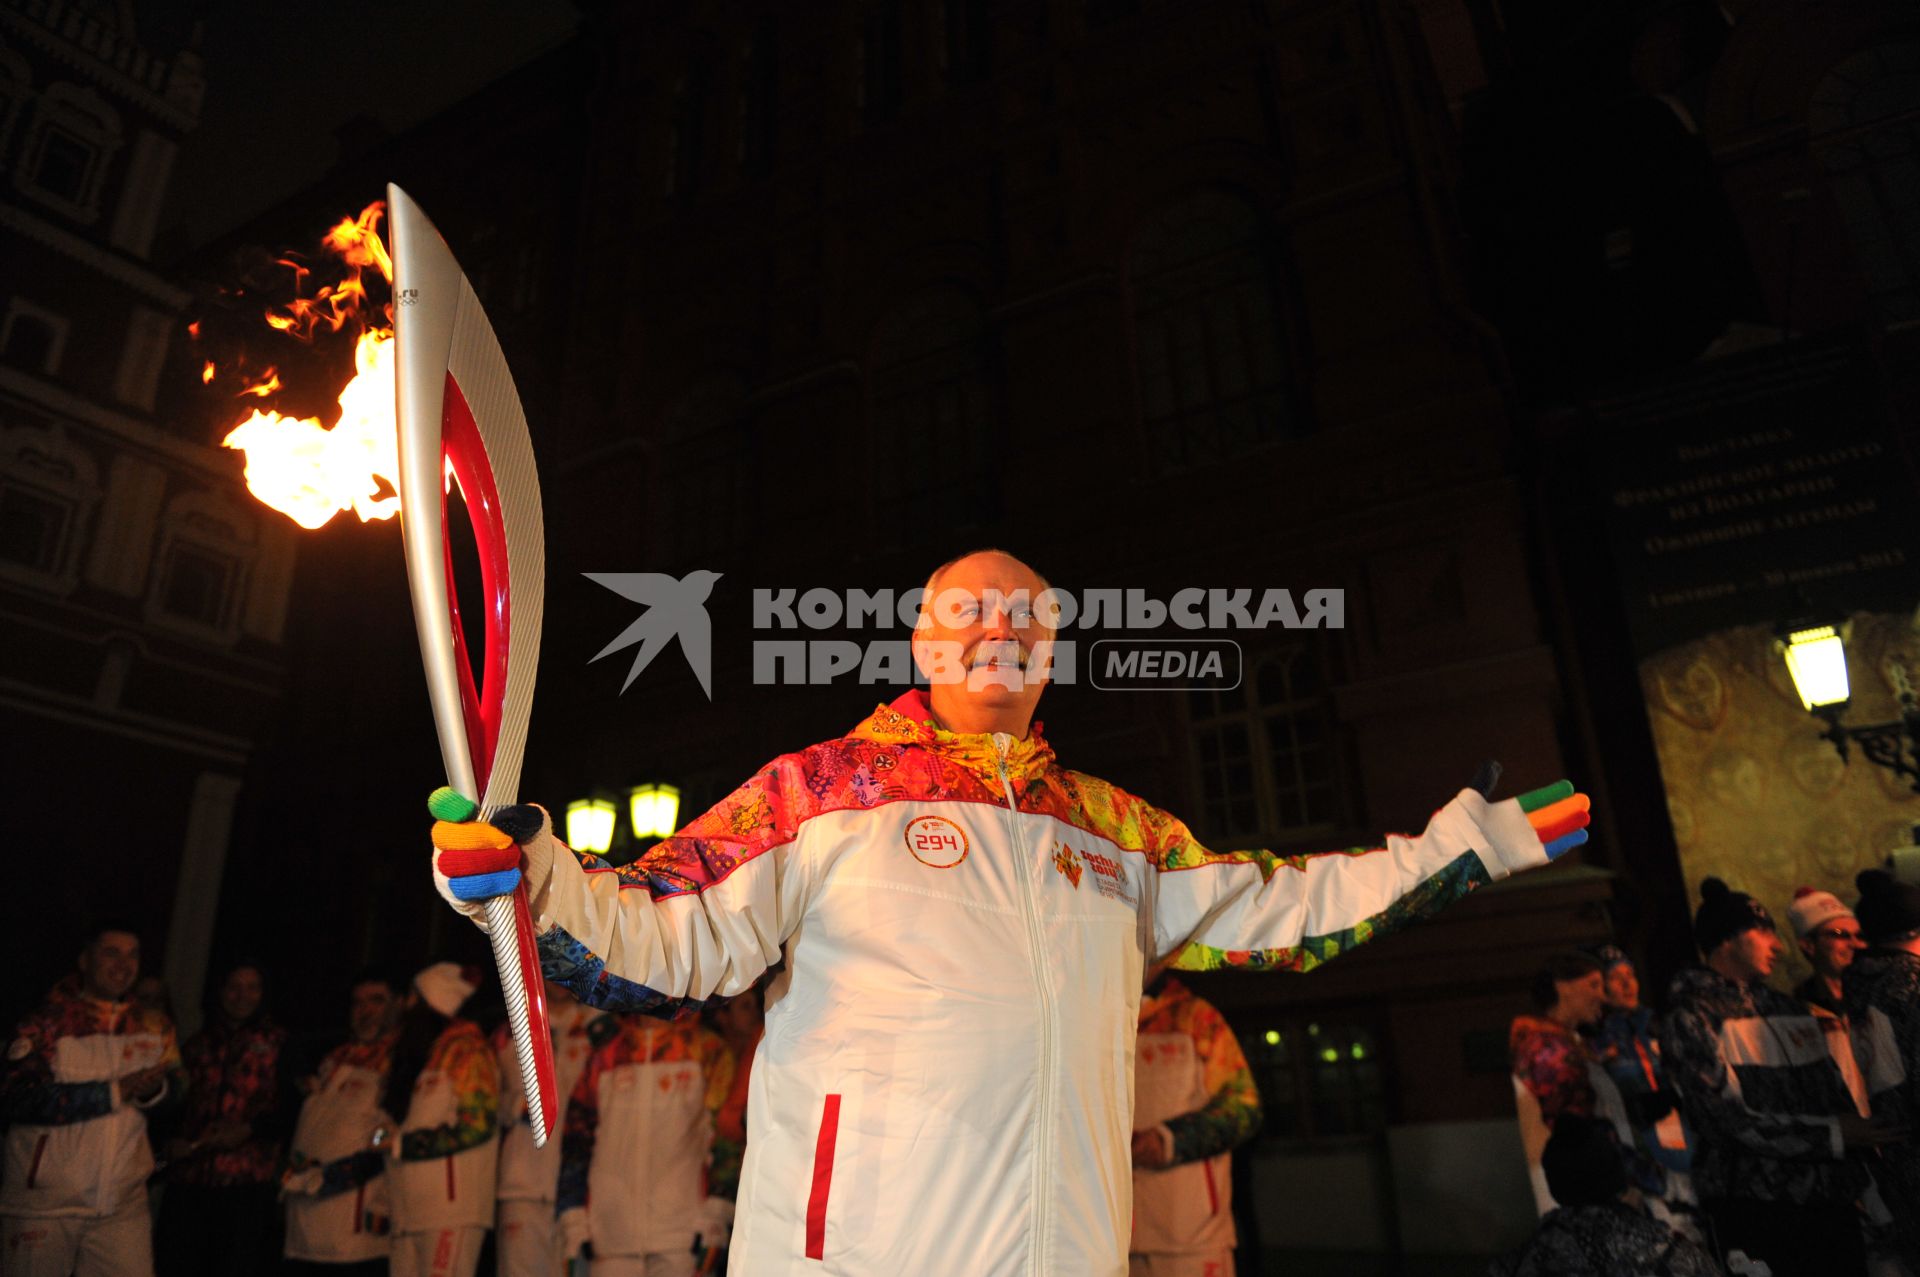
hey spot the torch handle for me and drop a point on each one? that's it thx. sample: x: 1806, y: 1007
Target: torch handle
x: 503, y: 930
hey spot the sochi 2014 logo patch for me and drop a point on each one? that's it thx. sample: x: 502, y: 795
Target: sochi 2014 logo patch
x: 1068, y: 864
x: 936, y: 842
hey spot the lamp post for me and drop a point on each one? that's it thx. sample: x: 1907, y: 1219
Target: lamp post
x: 590, y: 823
x: 654, y: 810
x: 1816, y: 657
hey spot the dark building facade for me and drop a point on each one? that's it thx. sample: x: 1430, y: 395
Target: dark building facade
x: 142, y: 598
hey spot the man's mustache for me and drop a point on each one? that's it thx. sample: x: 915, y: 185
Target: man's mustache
x: 1007, y: 651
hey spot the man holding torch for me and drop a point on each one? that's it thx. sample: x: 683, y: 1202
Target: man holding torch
x: 945, y: 1081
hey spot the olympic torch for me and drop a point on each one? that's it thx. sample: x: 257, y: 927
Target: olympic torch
x: 457, y: 407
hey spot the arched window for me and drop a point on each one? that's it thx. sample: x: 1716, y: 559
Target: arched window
x: 1265, y: 752
x: 200, y: 578
x: 48, y: 489
x: 65, y: 159
x: 32, y: 338
x: 1212, y: 359
x: 932, y: 405
x: 1864, y: 122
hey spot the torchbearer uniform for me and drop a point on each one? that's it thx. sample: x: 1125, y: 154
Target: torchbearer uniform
x: 946, y: 1078
x: 525, y: 1239
x: 1194, y: 1092
x: 336, y: 1185
x: 77, y: 1158
x: 638, y: 1141
x: 442, y: 1175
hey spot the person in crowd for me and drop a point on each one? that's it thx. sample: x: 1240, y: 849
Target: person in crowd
x: 1600, y: 1228
x: 1774, y: 1121
x: 525, y: 1240
x: 81, y: 1075
x: 636, y: 1157
x: 941, y: 887
x: 1829, y: 935
x: 741, y: 1021
x: 1627, y: 1046
x: 444, y: 1086
x: 1194, y: 1102
x: 1549, y: 1056
x: 150, y: 991
x: 1882, y: 988
x: 223, y: 1162
x: 335, y: 1183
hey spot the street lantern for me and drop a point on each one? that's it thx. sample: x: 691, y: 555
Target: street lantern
x: 1817, y: 662
x: 590, y: 823
x: 1816, y: 657
x: 655, y: 810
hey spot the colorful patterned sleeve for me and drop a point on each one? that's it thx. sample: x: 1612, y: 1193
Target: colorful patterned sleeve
x: 1553, y: 1071
x: 32, y: 1096
x: 350, y: 1172
x: 701, y: 915
x: 1257, y: 910
x: 468, y: 1062
x: 1231, y: 1115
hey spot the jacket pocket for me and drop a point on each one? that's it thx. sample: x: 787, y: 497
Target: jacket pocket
x: 822, y: 1178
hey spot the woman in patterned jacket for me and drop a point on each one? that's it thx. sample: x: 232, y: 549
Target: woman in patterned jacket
x: 224, y: 1162
x: 445, y: 1154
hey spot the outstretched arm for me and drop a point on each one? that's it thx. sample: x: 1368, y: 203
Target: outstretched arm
x: 702, y: 914
x: 1260, y: 911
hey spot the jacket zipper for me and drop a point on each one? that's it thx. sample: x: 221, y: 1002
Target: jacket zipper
x: 1036, y: 943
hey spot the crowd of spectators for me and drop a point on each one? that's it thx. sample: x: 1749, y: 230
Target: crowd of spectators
x: 1746, y: 1130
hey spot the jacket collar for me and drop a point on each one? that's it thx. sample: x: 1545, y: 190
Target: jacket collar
x: 909, y: 721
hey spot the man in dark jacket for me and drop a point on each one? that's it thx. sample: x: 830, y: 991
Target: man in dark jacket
x: 1771, y: 1112
x: 1883, y: 1004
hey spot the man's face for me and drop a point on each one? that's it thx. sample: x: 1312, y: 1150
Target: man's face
x: 1753, y: 953
x: 240, y: 994
x: 1583, y: 998
x: 1832, y: 945
x: 110, y: 965
x: 1623, y: 987
x: 371, y: 1010
x: 978, y: 633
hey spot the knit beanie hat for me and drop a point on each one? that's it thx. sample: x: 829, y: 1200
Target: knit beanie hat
x: 1889, y: 909
x: 1610, y: 956
x: 446, y: 986
x: 1582, y: 1166
x: 1725, y: 913
x: 1812, y: 910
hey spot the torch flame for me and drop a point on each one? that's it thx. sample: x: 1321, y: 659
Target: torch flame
x: 261, y: 389
x: 206, y: 374
x: 308, y: 471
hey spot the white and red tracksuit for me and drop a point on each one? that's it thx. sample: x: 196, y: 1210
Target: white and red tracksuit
x: 525, y: 1241
x: 343, y: 1222
x: 74, y: 1197
x: 1193, y: 1090
x: 946, y: 1081
x: 443, y: 1174
x: 639, y: 1137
